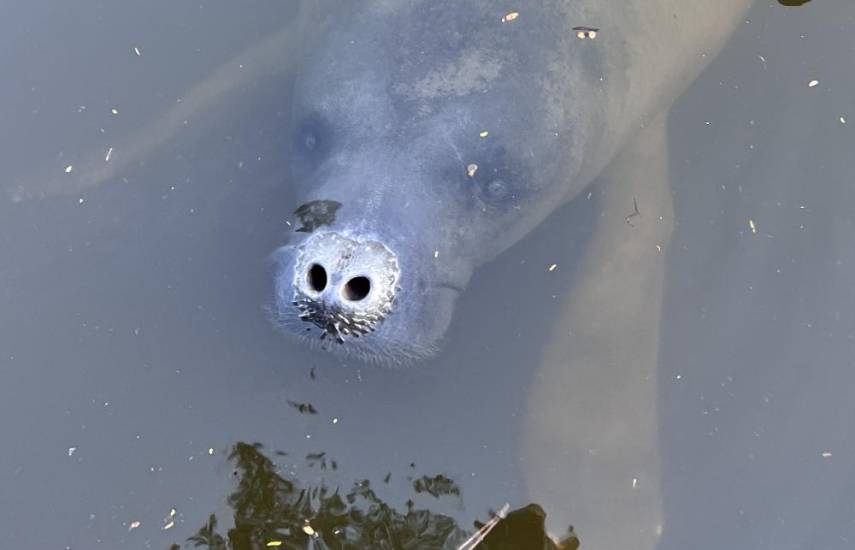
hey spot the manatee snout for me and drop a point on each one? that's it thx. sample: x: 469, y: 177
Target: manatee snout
x: 343, y: 286
x: 351, y: 295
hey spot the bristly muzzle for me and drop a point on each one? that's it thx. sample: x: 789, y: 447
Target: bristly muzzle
x: 344, y: 286
x: 338, y: 322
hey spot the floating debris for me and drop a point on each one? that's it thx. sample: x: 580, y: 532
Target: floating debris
x: 436, y: 254
x: 210, y: 450
x: 314, y: 214
x: 274, y: 543
x: 635, y: 212
x: 114, y: 111
x: 169, y: 520
x: 436, y: 486
x: 335, y: 420
x: 813, y: 83
x: 507, y: 18
x: 586, y: 32
x: 69, y: 168
x: 309, y: 530
x: 484, y: 134
x: 319, y: 459
x: 842, y: 120
x: 482, y: 532
x: 134, y: 525
x: 71, y: 450
x: 471, y: 169
x: 826, y: 454
x: 553, y: 267
x: 108, y: 155
x: 304, y: 408
x: 752, y: 226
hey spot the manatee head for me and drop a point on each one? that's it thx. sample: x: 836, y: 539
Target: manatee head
x: 427, y: 137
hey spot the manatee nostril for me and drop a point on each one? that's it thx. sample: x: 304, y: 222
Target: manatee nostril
x: 346, y: 288
x: 317, y: 277
x: 356, y: 289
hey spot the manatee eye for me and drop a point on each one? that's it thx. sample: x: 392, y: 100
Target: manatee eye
x: 312, y: 137
x: 498, y: 176
x: 497, y: 189
x: 310, y: 140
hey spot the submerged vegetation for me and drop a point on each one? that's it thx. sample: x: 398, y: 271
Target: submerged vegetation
x: 271, y: 511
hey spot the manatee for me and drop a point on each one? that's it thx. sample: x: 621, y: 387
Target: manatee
x: 428, y: 136
x: 431, y: 136
x: 446, y: 131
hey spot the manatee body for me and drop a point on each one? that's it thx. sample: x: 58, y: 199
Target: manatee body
x: 430, y: 135
x: 447, y: 130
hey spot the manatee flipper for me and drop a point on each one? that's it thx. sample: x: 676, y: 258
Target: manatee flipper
x: 266, y: 56
x: 590, y: 451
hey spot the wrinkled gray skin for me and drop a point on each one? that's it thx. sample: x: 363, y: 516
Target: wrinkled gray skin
x: 387, y: 115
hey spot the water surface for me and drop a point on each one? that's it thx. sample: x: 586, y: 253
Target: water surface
x: 136, y: 354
